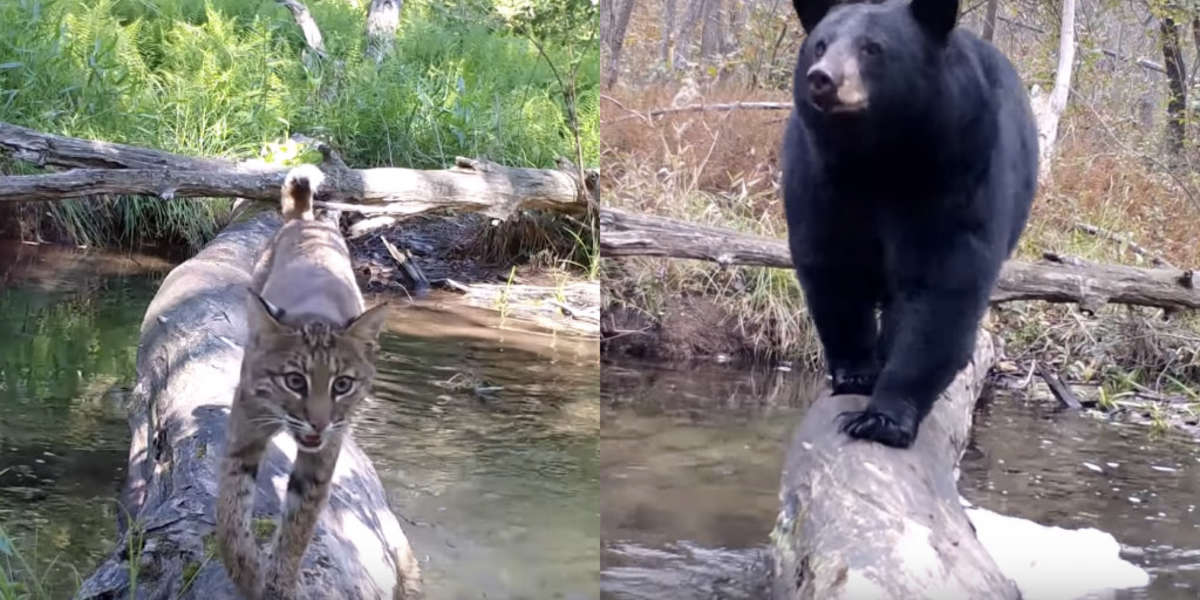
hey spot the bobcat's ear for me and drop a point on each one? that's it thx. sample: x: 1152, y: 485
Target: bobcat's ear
x: 366, y: 327
x: 262, y: 317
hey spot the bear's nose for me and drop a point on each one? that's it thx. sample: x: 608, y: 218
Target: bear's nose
x: 820, y: 83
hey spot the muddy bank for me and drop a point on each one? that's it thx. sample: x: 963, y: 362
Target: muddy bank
x: 514, y: 269
x: 687, y: 328
x: 1121, y: 365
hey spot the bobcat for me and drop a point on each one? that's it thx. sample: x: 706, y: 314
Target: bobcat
x: 309, y: 359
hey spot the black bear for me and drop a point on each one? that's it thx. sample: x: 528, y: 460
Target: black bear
x: 909, y: 167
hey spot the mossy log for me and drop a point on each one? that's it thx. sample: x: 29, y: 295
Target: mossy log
x: 188, y: 364
x: 862, y: 520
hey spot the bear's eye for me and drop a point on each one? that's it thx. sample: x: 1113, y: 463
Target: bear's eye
x: 872, y: 49
x: 819, y: 50
x: 295, y: 382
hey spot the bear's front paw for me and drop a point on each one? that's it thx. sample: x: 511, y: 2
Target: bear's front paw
x: 893, y: 425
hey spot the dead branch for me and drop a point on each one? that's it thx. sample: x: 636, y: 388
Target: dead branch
x: 1088, y: 284
x: 1059, y: 388
x: 658, y: 112
x: 1121, y: 239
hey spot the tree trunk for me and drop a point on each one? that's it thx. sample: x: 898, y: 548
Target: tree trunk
x: 619, y: 13
x: 1176, y: 85
x: 1090, y: 285
x: 862, y: 520
x: 989, y: 20
x: 668, y: 35
x: 692, y: 15
x: 712, y: 31
x: 308, y: 26
x: 1048, y: 109
x: 383, y: 17
x: 189, y: 359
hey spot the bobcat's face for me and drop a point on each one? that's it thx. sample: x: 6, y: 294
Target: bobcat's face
x: 309, y: 376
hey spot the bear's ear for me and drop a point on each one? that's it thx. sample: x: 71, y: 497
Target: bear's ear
x: 812, y: 11
x: 936, y: 16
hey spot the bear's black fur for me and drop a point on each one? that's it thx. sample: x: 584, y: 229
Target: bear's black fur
x: 909, y: 166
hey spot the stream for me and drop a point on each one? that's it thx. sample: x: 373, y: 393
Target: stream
x: 485, y: 437
x: 691, y: 459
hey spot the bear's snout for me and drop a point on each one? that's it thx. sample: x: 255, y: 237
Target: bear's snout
x: 836, y: 87
x: 821, y: 87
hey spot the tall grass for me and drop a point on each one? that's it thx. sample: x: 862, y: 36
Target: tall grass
x: 225, y: 77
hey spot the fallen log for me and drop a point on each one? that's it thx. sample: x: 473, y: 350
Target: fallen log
x: 572, y: 308
x: 106, y: 168
x: 49, y: 150
x: 1088, y: 284
x: 861, y: 520
x: 188, y: 364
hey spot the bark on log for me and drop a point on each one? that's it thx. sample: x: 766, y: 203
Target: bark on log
x: 188, y: 364
x: 48, y: 150
x: 471, y: 185
x: 1088, y: 284
x: 861, y: 520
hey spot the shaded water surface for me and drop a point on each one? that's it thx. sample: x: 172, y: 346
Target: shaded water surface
x: 691, y: 459
x: 485, y: 439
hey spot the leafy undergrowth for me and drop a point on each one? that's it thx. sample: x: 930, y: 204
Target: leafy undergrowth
x: 227, y: 77
x: 721, y: 169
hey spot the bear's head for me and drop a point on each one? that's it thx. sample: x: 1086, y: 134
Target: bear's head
x: 872, y: 59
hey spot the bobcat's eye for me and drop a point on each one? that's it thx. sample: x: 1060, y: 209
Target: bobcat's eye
x: 295, y: 382
x: 342, y: 385
x: 872, y: 49
x: 819, y: 50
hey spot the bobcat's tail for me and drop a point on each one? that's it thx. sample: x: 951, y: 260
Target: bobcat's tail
x: 299, y: 187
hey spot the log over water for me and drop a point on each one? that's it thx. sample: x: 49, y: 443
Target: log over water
x: 189, y: 357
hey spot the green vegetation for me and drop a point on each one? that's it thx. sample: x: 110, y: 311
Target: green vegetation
x: 228, y: 77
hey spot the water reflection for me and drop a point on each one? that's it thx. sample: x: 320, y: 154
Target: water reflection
x: 690, y: 461
x: 487, y: 445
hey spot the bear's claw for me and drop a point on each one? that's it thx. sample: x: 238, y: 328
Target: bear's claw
x: 876, y: 426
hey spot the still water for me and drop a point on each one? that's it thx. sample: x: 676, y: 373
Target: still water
x: 485, y: 438
x: 691, y: 459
